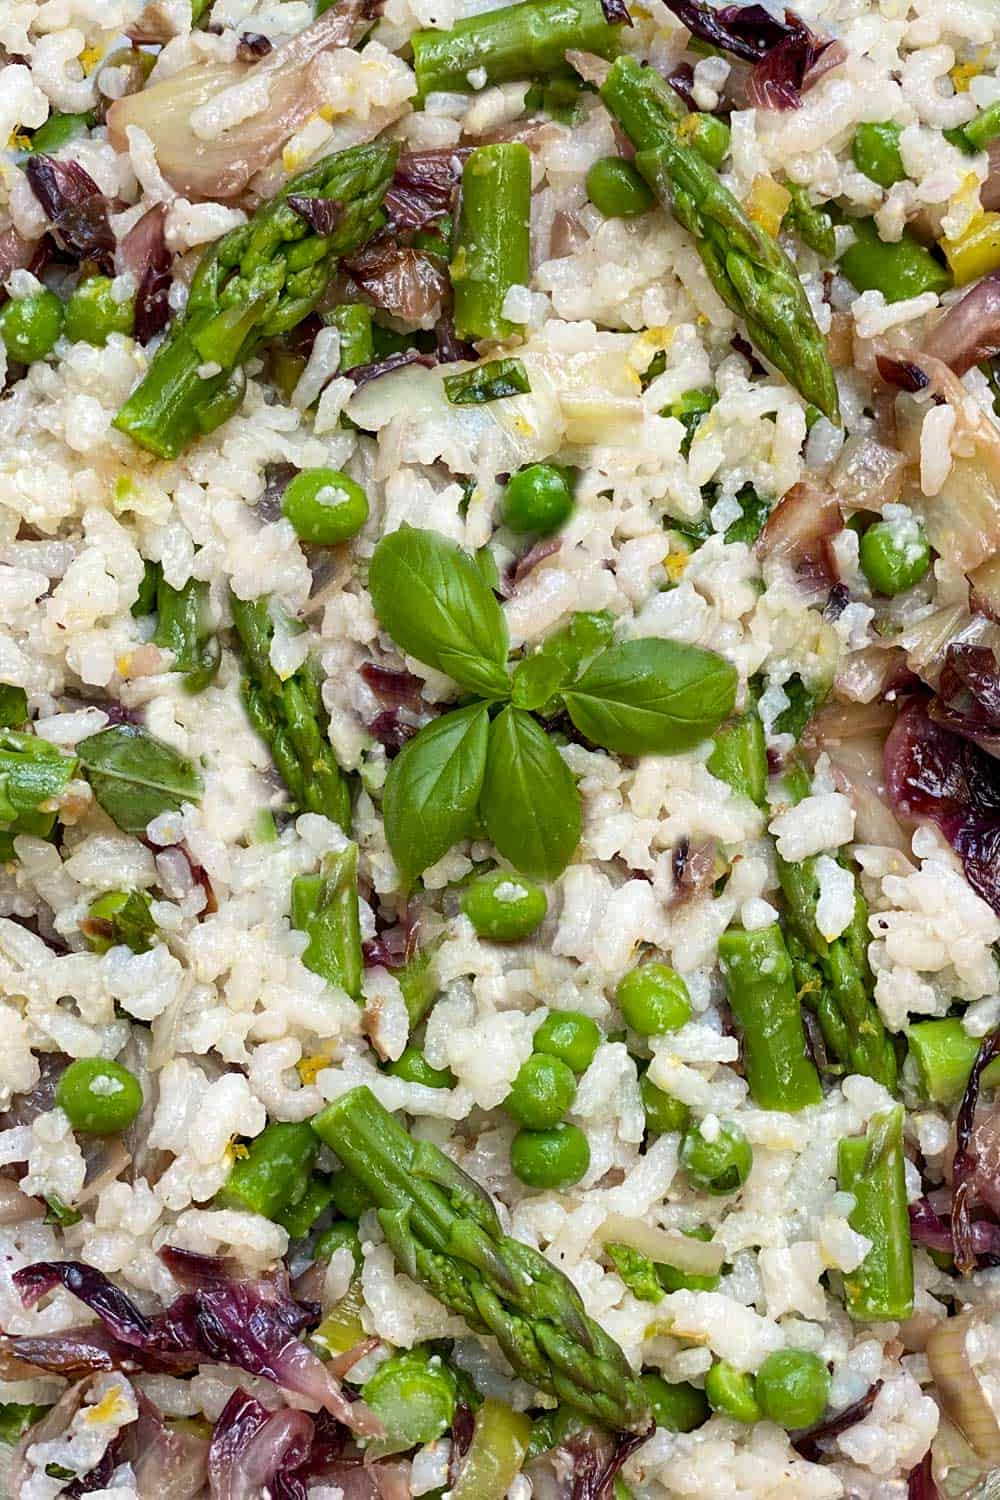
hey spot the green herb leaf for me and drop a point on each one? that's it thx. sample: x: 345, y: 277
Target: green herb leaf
x: 15, y: 1419
x: 558, y: 660
x: 432, y: 789
x: 59, y: 1212
x: 489, y: 382
x: 136, y: 777
x: 650, y: 697
x: 530, y: 803
x: 33, y: 773
x: 802, y: 704
x: 145, y: 599
x: 13, y: 706
x: 433, y: 601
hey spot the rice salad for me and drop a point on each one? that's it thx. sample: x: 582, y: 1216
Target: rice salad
x: 499, y: 734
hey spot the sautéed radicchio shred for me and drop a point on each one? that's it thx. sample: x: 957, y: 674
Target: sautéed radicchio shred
x: 144, y: 253
x: 964, y: 1164
x: 788, y: 58
x: 76, y: 208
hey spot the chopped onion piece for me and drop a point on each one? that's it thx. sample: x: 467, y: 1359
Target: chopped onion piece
x: 664, y: 1246
x: 958, y: 1387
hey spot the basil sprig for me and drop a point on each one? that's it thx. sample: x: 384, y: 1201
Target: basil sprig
x: 136, y: 777
x: 495, y: 765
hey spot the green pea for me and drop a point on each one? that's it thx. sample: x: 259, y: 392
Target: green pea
x: 709, y: 136
x: 413, y: 1067
x: 541, y: 1093
x: 504, y: 906
x: 894, y: 556
x: 732, y: 1392
x: 720, y: 1166
x: 538, y: 498
x: 663, y: 1111
x: 876, y: 153
x: 900, y: 269
x: 653, y: 998
x: 792, y: 1388
x: 678, y: 1408
x: 616, y: 190
x: 347, y: 1195
x: 99, y: 1096
x: 93, y: 314
x: 325, y: 506
x: 571, y: 1036
x: 555, y: 1158
x: 29, y: 326
x: 342, y: 1234
x: 414, y: 1395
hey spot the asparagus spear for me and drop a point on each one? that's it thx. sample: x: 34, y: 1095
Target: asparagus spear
x: 758, y: 976
x: 326, y: 907
x: 289, y: 716
x: 871, y: 1167
x: 184, y: 627
x: 847, y: 1013
x: 275, y: 1172
x: 748, y: 269
x: 445, y: 1233
x: 740, y: 756
x: 494, y: 245
x: 944, y: 1053
x: 259, y: 280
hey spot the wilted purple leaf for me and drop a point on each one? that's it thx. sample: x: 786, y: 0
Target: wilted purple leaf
x: 76, y: 208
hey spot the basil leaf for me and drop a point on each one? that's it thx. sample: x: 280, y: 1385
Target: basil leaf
x: 558, y: 659
x: 432, y: 600
x: 136, y: 777
x: 13, y: 706
x: 432, y: 789
x: 530, y: 804
x: 16, y: 1418
x: 651, y: 696
x: 33, y: 774
x: 490, y: 382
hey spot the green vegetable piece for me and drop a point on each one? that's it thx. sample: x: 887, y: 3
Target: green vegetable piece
x: 135, y: 777
x: 636, y: 1270
x: 60, y: 1213
x: 349, y: 1196
x: 493, y: 381
x: 763, y: 999
x: 810, y: 223
x: 653, y: 999
x: 689, y: 410
x: 433, y: 787
x: 899, y: 270
x: 674, y: 1280
x: 740, y: 757
x: 15, y: 1419
x: 678, y: 1408
x: 324, y: 506
x: 571, y: 1036
x: 353, y: 321
x: 529, y: 804
x: 984, y: 128
x: 431, y: 598
x: 554, y: 1158
x: 504, y: 906
x: 414, y: 1396
x: 325, y: 906
x: 99, y: 1096
x: 894, y: 556
x: 59, y: 130
x: 944, y: 1052
x: 145, y: 599
x: 13, y: 706
x: 652, y: 697
x: 719, y: 1166
x: 731, y: 1392
x: 876, y: 152
x: 493, y: 243
x: 803, y: 702
x: 495, y: 1458
x: 93, y: 313
x: 792, y: 1388
x: 663, y: 1112
x: 413, y: 1067
x: 416, y: 979
x: 872, y: 1167
x: 537, y: 499
x: 298, y: 1218
x: 274, y: 1173
x: 342, y: 1234
x: 559, y: 658
x: 708, y: 135
x: 184, y: 627
x: 616, y: 190
x: 541, y: 1093
x: 120, y: 918
x: 29, y: 326
x: 33, y: 776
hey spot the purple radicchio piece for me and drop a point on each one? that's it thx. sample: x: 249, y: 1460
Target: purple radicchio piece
x: 788, y: 58
x: 76, y: 208
x: 966, y: 1166
x: 144, y: 253
x: 254, y: 1451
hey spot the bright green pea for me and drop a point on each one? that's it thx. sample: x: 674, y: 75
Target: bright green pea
x: 710, y: 136
x: 348, y: 1197
x: 720, y: 1166
x: 99, y: 1096
x: 29, y: 326
x: 504, y: 906
x: 414, y: 1395
x: 678, y: 1408
x: 894, y: 557
x: 325, y: 506
x: 616, y: 190
x: 653, y: 998
x: 663, y: 1112
x: 876, y: 153
x: 538, y: 498
x: 792, y: 1388
x: 541, y: 1093
x: 413, y: 1067
x: 555, y: 1158
x: 93, y: 314
x: 732, y: 1392
x: 571, y: 1036
x: 340, y: 1235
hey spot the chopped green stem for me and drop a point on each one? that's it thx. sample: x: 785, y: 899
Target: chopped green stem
x: 493, y: 252
x: 353, y: 321
x: 944, y: 1053
x: 740, y: 757
x: 761, y: 992
x: 984, y: 128
x: 275, y: 1173
x: 184, y: 627
x: 901, y: 269
x: 490, y: 382
x: 325, y: 906
x: 872, y: 1168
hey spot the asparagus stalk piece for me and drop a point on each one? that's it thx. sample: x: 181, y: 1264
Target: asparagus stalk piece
x: 758, y: 977
x: 444, y: 1232
x: 748, y: 269
x: 289, y: 716
x: 945, y: 1052
x: 526, y: 40
x: 740, y: 757
x: 259, y: 280
x: 184, y: 627
x: 847, y: 1013
x: 494, y: 246
x: 275, y: 1172
x: 326, y: 907
x: 353, y: 321
x: 871, y: 1167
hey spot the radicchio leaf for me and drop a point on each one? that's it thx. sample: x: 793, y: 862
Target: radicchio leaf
x: 392, y: 689
x: 257, y: 1452
x: 786, y: 54
x: 966, y: 1158
x: 361, y: 374
x: 920, y: 1481
x: 321, y: 214
x: 929, y: 1229
x: 791, y: 68
x: 808, y: 1444
x: 144, y: 252
x: 405, y: 283
x: 168, y: 1463
x: 424, y: 185
x: 903, y: 374
x: 747, y: 31
x: 969, y: 332
x: 616, y: 13
x: 76, y: 208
